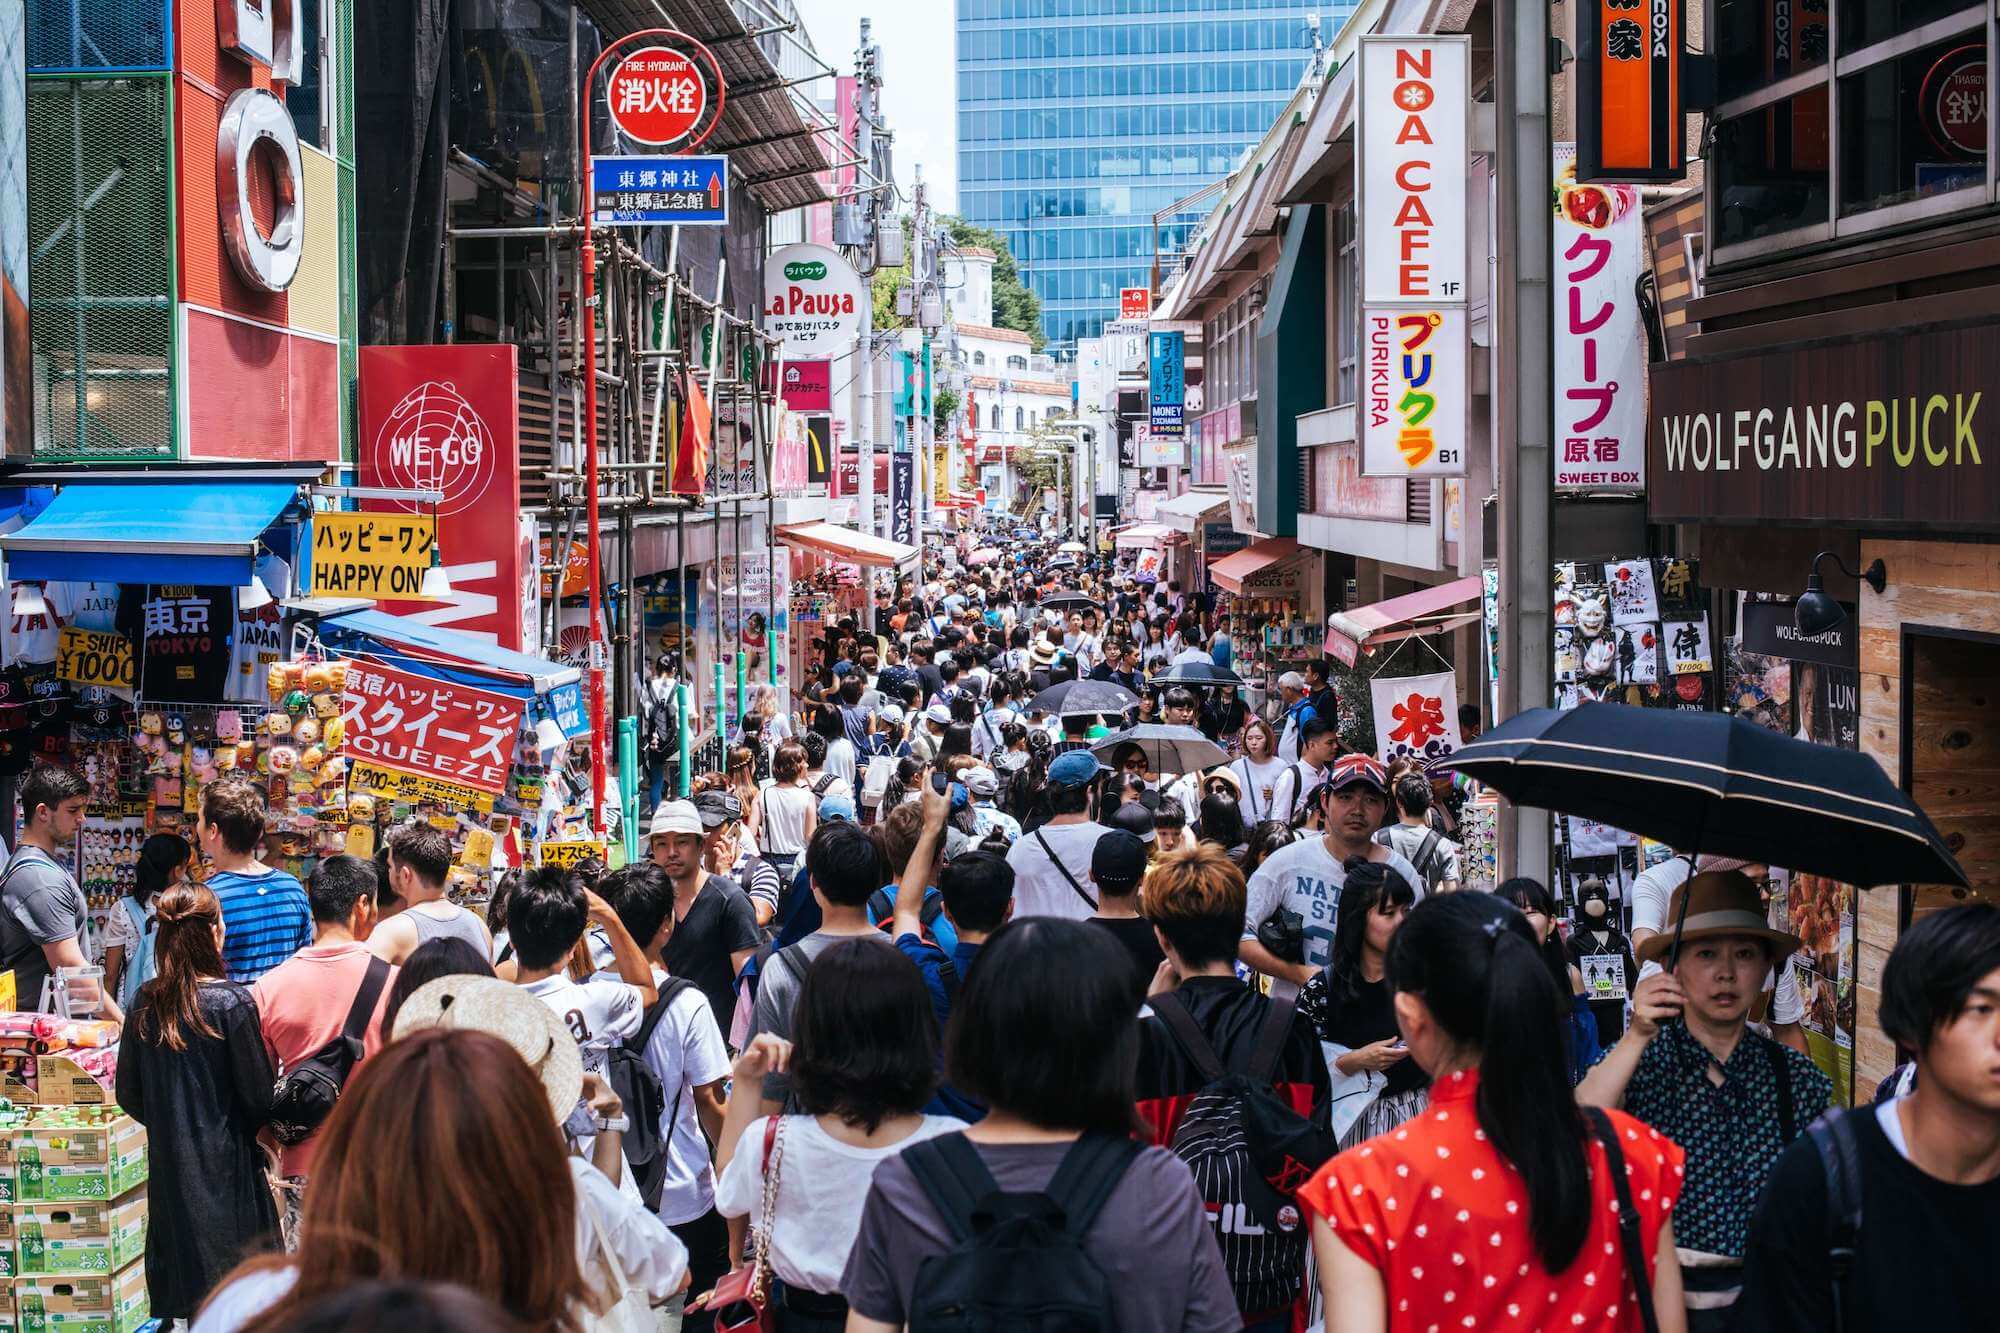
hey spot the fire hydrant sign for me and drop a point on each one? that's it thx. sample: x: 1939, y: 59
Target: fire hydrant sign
x: 1413, y: 391
x: 430, y: 728
x: 645, y: 191
x: 1416, y: 717
x: 1600, y: 342
x: 371, y: 555
x: 1414, y: 99
x: 657, y: 96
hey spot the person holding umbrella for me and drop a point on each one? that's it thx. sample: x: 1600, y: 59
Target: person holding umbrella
x: 1690, y: 1067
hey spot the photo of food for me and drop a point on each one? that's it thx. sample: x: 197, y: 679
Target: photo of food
x: 1814, y: 908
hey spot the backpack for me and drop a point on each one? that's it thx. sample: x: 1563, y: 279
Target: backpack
x: 1016, y: 1263
x: 1833, y: 1137
x: 306, y: 1095
x: 639, y: 1086
x: 663, y: 736
x: 882, y: 911
x: 1428, y: 859
x: 1249, y: 1152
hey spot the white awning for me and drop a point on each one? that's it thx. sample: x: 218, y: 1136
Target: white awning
x: 848, y: 544
x: 1188, y: 511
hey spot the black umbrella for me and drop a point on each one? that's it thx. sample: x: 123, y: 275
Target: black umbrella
x: 1714, y: 783
x: 1070, y: 601
x: 1196, y: 675
x: 1169, y: 749
x: 1076, y: 698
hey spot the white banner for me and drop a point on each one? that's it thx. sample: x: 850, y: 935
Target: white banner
x: 1415, y: 716
x: 1600, y: 338
x: 1413, y: 391
x: 1413, y: 100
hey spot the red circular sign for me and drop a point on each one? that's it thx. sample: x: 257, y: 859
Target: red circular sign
x: 1954, y: 101
x: 657, y: 95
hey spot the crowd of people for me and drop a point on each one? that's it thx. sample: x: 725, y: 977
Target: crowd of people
x: 934, y: 1005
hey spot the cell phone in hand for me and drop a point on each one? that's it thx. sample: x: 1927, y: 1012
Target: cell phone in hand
x: 940, y: 781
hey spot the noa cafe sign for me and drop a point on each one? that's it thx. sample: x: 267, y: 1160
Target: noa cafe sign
x: 262, y: 32
x: 1414, y: 99
x: 813, y: 300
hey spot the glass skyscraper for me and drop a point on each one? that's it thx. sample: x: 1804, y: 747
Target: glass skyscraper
x: 1079, y: 119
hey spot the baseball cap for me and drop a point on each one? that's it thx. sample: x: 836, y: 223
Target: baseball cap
x: 1135, y: 821
x: 836, y: 806
x: 1118, y: 858
x: 939, y: 713
x: 982, y: 781
x: 1291, y: 680
x: 892, y: 713
x: 1352, y: 768
x: 1075, y: 768
x: 717, y: 808
x: 675, y: 817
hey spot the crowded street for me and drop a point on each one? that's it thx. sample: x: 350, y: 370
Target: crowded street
x: 1017, y: 666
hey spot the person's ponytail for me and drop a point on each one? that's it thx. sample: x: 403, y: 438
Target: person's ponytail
x: 1472, y: 959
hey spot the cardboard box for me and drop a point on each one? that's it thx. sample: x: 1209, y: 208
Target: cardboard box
x: 8, y: 1268
x: 75, y: 1162
x: 97, y: 1303
x: 79, y: 1238
x: 60, y: 1081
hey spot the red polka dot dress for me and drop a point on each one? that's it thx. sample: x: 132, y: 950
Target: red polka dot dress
x: 1437, y: 1211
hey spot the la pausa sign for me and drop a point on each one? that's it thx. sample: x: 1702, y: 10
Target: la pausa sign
x: 813, y: 300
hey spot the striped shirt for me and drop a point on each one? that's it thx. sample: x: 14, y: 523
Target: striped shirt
x: 265, y: 920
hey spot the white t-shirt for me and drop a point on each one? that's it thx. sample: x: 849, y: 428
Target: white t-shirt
x: 1653, y: 890
x: 1304, y: 878
x: 1291, y: 787
x: 601, y: 1009
x: 686, y: 1051
x: 1259, y: 785
x: 259, y: 637
x: 93, y: 606
x: 822, y: 1185
x: 1039, y: 886
x: 1192, y: 654
x: 652, y: 1256
x: 986, y: 730
x: 840, y: 760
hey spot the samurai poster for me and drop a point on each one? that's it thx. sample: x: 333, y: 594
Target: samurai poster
x: 1638, y: 653
x: 1416, y: 716
x: 1674, y: 583
x: 1688, y: 651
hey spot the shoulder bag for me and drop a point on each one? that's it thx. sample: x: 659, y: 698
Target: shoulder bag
x: 631, y: 1311
x: 1063, y: 870
x: 742, y: 1299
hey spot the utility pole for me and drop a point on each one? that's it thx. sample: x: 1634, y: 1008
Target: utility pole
x: 1524, y: 392
x: 867, y: 85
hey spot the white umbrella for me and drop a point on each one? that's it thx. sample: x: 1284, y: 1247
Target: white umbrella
x: 1073, y: 548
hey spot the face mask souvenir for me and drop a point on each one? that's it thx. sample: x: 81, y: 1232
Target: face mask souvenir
x: 1591, y: 615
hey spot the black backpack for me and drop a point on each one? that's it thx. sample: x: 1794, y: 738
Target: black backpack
x: 306, y: 1095
x: 1016, y: 1262
x: 1833, y: 1138
x: 639, y: 1086
x: 1249, y: 1153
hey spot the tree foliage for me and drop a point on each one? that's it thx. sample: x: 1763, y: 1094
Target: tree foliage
x: 1014, y: 306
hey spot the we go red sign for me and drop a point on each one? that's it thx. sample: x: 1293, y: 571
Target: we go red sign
x: 658, y: 95
x: 432, y: 728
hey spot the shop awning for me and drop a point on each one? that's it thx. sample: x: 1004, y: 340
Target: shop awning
x: 848, y: 544
x: 1411, y: 613
x: 431, y: 651
x: 1146, y: 534
x: 1187, y: 512
x: 156, y: 532
x: 1230, y: 571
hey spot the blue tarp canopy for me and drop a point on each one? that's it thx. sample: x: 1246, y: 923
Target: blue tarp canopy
x: 442, y: 653
x: 167, y: 532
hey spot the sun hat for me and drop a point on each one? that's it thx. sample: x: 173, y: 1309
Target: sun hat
x: 1719, y: 902
x: 675, y: 817
x: 716, y: 808
x: 1043, y: 653
x: 1075, y: 768
x: 1225, y: 775
x: 472, y: 1003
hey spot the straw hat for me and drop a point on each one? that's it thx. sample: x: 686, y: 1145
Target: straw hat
x: 504, y: 1010
x: 1719, y: 902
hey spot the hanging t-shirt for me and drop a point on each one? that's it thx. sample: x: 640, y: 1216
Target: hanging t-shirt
x: 260, y: 637
x: 90, y: 605
x: 32, y: 639
x: 183, y: 634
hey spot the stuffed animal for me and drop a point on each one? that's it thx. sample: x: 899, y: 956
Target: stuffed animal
x: 306, y: 730
x: 283, y: 759
x: 317, y: 678
x: 229, y: 726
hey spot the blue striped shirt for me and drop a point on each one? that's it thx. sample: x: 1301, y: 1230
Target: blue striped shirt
x: 265, y: 920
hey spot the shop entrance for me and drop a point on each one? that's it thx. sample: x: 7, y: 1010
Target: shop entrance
x: 1951, y: 753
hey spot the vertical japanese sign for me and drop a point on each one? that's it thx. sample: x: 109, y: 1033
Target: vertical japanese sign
x: 1414, y: 100
x: 1416, y: 717
x: 445, y: 418
x: 1413, y: 391
x: 1167, y: 354
x: 903, y: 498
x: 431, y: 728
x: 1600, y: 343
x: 1630, y: 118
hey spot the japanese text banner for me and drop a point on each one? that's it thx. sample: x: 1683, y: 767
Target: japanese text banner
x: 1416, y: 717
x: 1600, y: 339
x: 432, y: 728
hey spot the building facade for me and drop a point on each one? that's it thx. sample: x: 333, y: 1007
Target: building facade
x: 1079, y: 120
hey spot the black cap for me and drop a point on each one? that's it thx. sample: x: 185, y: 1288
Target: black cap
x: 717, y: 808
x: 1135, y: 819
x: 1118, y: 858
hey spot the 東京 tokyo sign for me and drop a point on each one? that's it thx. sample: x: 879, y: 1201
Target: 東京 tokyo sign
x: 658, y: 95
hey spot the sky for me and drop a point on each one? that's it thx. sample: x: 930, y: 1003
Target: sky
x: 919, y: 88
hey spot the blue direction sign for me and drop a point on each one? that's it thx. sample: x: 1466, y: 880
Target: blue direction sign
x: 647, y: 191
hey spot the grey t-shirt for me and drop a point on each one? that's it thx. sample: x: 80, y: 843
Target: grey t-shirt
x: 1408, y: 839
x: 1153, y: 1240
x: 778, y: 985
x: 40, y: 903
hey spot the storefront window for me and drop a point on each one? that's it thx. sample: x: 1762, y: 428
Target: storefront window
x: 1758, y: 42
x: 1913, y: 127
x: 1865, y: 22
x: 1771, y: 169
x: 1347, y: 320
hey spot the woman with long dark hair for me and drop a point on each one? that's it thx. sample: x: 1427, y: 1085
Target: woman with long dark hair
x: 1026, y: 794
x: 128, y: 931
x: 1579, y: 1026
x: 1044, y: 1033
x: 1222, y: 824
x: 193, y: 1070
x: 1376, y: 1086
x: 1504, y: 1170
x: 1265, y: 838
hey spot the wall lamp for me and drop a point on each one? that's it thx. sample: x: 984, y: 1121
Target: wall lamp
x: 1816, y: 613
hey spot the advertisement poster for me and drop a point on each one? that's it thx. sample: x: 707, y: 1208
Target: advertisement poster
x: 903, y: 498
x: 432, y: 728
x: 1413, y: 390
x: 445, y: 418
x: 1416, y: 717
x: 1600, y: 344
x: 1820, y: 912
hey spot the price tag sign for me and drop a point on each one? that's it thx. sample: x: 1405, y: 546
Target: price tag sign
x: 1603, y: 976
x: 573, y: 853
x: 93, y: 657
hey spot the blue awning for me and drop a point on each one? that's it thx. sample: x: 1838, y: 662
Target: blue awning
x: 443, y: 653
x: 167, y: 532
